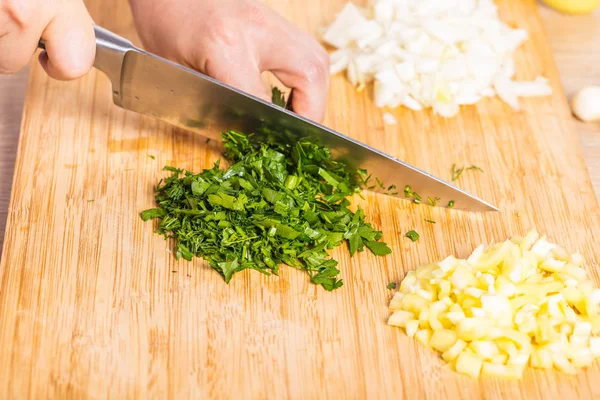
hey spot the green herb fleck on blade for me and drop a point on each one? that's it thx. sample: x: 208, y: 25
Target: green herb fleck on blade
x: 451, y: 204
x: 433, y: 201
x: 408, y: 192
x: 391, y: 285
x: 90, y: 201
x: 412, y: 235
x: 151, y: 156
x: 275, y: 204
x: 277, y: 97
x: 430, y: 221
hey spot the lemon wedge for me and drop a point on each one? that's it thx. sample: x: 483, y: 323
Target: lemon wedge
x: 573, y: 6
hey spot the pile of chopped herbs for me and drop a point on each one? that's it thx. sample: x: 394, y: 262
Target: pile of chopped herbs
x: 276, y: 204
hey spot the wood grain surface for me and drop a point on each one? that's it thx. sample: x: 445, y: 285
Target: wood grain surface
x: 92, y: 305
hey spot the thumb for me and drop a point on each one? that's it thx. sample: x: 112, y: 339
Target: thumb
x: 70, y: 43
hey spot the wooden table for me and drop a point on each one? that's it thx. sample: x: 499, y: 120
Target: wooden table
x: 575, y: 41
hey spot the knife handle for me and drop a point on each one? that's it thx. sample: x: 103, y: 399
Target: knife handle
x: 110, y: 55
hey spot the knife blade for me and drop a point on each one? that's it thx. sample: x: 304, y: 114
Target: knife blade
x: 153, y: 86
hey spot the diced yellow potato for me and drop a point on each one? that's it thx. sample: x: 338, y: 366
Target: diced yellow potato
x: 595, y: 321
x: 591, y: 306
x: 529, y: 240
x: 406, y: 286
x: 442, y: 339
x: 582, y: 328
x: 400, y: 318
x: 424, y: 319
x: 579, y: 341
x: 411, y: 327
x: 546, y: 332
x: 434, y: 322
x: 505, y: 287
x: 446, y: 323
x: 474, y: 292
x: 576, y: 272
x: 560, y: 253
x: 502, y: 371
x: 552, y: 265
x: 414, y: 303
x: 507, y: 346
x: 586, y: 287
x: 453, y: 352
x: 577, y: 259
x: 455, y: 308
x: 448, y: 264
x: 470, y: 302
x: 470, y: 329
x: 541, y: 358
x: 476, y: 255
x: 595, y: 346
x: 469, y: 364
x: 528, y: 327
x: 462, y: 278
x: 425, y: 272
x: 566, y: 329
x: 522, y: 340
x: 485, y: 349
x: 519, y: 358
x: 423, y: 336
x: 552, y: 287
x: 542, y: 247
x: 562, y: 364
x: 580, y: 356
x: 499, y: 359
x: 427, y: 295
x: 445, y: 288
x: 455, y: 317
x: 522, y: 301
x: 572, y: 295
x: 396, y: 303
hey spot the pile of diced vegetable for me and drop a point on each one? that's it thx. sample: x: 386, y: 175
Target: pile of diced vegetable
x: 436, y: 53
x: 521, y: 302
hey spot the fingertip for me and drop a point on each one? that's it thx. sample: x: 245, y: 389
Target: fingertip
x: 70, y: 47
x: 302, y: 105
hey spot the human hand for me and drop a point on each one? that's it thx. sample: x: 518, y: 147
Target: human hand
x: 234, y: 41
x: 65, y: 26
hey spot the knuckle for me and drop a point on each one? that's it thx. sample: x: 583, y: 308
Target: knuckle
x: 10, y: 68
x: 223, y: 31
x: 317, y: 69
x: 18, y: 11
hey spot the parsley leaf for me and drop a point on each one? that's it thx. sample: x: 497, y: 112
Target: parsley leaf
x: 391, y: 285
x: 412, y: 235
x: 277, y: 97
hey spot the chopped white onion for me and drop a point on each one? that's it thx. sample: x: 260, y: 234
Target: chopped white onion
x: 437, y: 53
x: 389, y: 119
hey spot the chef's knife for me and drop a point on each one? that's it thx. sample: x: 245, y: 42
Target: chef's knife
x: 150, y: 85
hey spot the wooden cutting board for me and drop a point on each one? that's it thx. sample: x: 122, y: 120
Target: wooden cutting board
x: 93, y: 305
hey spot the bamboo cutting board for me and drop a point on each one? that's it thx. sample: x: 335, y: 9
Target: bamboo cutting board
x: 93, y: 305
